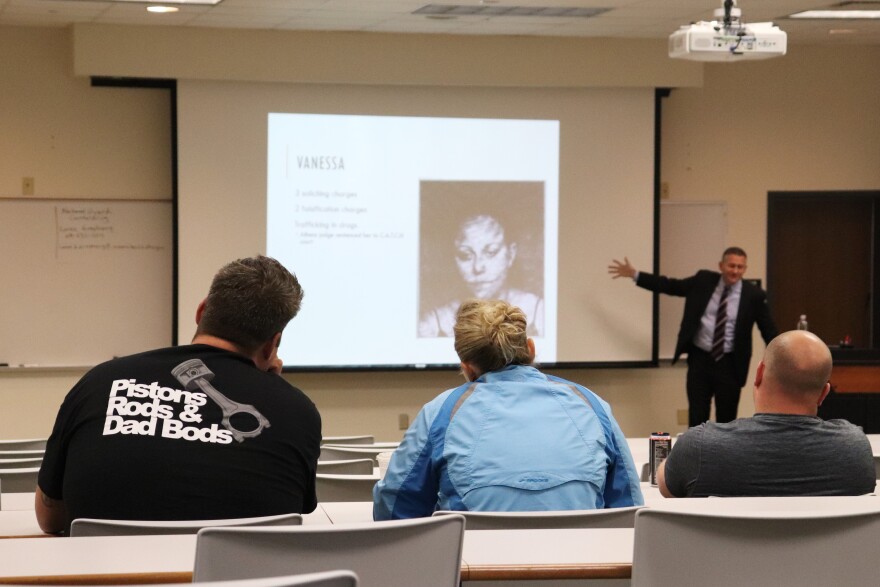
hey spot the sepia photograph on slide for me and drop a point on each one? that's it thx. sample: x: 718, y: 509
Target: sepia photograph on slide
x: 480, y: 239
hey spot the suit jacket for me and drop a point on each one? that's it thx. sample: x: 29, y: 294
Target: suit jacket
x: 697, y: 291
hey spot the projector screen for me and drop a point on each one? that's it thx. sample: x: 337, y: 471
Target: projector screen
x: 436, y: 210
x: 394, y: 204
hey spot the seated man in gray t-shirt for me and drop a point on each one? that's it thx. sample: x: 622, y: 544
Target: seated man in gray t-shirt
x: 785, y: 449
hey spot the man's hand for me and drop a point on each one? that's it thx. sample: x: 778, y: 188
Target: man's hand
x: 619, y: 269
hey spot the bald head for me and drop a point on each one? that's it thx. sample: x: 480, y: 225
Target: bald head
x: 797, y: 362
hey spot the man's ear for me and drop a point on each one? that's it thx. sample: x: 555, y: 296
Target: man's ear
x: 759, y: 374
x: 200, y: 310
x: 531, y: 343
x: 269, y: 349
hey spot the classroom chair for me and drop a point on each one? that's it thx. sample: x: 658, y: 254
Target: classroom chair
x: 336, y: 453
x: 101, y: 527
x: 328, y: 579
x: 346, y: 467
x: 21, y: 463
x: 330, y: 487
x: 604, y: 518
x: 24, y: 444
x: 365, y: 439
x: 19, y: 480
x: 22, y: 454
x: 768, y: 546
x: 423, y: 552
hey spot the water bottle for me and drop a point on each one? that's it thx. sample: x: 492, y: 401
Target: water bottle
x: 802, y: 323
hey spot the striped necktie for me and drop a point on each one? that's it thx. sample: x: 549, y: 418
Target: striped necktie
x: 720, y: 326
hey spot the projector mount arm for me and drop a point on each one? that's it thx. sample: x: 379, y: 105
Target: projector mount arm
x: 731, y: 21
x: 728, y: 8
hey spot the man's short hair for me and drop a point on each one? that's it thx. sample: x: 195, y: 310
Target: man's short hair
x: 250, y: 300
x: 733, y: 251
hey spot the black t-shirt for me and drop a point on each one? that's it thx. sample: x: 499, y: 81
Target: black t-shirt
x: 144, y: 438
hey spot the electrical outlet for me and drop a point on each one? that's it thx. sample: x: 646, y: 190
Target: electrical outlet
x: 682, y: 416
x: 402, y: 421
x: 27, y: 186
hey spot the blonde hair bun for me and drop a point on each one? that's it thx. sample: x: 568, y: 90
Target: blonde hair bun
x: 491, y: 334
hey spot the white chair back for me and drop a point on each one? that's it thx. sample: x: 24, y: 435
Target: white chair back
x: 22, y: 454
x: 100, y: 527
x: 19, y: 480
x: 605, y: 518
x: 423, y: 552
x: 763, y: 547
x: 364, y: 439
x: 346, y: 467
x: 338, y: 453
x: 331, y: 487
x: 24, y: 444
x: 20, y: 463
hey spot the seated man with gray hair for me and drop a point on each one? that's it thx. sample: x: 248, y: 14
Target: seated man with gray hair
x: 785, y: 448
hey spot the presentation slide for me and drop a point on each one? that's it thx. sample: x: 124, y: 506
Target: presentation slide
x: 412, y: 215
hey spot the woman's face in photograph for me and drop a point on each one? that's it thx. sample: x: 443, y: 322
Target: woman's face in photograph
x: 483, y: 256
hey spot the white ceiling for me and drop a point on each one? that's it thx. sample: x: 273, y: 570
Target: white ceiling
x: 625, y: 19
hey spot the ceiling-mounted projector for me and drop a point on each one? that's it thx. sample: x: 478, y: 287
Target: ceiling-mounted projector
x: 727, y: 38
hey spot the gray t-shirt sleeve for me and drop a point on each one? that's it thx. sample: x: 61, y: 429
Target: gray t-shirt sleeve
x: 683, y: 463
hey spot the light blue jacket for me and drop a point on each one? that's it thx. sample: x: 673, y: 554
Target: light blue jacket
x: 513, y: 440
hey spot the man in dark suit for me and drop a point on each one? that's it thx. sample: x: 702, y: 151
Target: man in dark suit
x: 718, y: 343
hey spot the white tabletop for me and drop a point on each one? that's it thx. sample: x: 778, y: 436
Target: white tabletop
x: 17, y: 501
x: 19, y: 523
x: 638, y: 447
x: 348, y: 512
x: 111, y: 555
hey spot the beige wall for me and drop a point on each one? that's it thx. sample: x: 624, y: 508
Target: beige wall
x: 805, y: 121
x: 75, y: 140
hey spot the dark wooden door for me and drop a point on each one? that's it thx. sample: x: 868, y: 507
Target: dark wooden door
x: 819, y: 263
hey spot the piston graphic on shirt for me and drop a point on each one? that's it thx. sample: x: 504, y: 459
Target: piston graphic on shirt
x: 178, y: 410
x: 194, y: 374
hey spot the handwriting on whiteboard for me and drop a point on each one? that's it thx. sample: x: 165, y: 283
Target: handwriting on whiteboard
x: 82, y: 229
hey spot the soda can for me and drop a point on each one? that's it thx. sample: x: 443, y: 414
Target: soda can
x: 660, y: 445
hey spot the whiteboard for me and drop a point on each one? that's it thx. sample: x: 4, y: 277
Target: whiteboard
x: 83, y: 280
x: 692, y: 237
